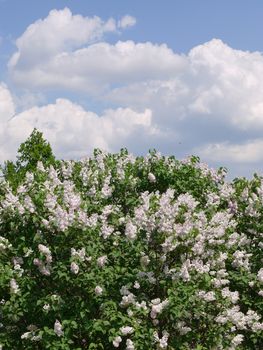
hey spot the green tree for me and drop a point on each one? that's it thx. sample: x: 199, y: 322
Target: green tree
x: 34, y: 149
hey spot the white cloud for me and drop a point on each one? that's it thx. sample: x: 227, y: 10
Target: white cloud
x: 60, y: 31
x: 7, y: 108
x: 248, y: 152
x: 209, y: 99
x: 126, y: 21
x: 28, y: 100
x: 216, y: 83
x: 95, y: 68
x: 72, y: 131
x: 212, y: 80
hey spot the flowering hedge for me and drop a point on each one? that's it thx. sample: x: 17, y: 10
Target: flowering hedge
x: 117, y: 251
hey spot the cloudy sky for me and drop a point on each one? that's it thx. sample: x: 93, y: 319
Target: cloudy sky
x: 183, y: 77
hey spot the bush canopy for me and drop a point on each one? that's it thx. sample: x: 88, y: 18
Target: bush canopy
x: 117, y: 251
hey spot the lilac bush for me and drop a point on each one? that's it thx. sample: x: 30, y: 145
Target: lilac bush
x: 123, y: 252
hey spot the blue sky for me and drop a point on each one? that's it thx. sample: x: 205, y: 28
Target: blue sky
x: 180, y: 24
x: 179, y: 76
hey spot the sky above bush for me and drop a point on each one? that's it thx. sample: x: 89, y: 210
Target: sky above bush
x: 184, y: 77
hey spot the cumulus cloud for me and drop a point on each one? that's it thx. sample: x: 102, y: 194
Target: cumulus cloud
x: 7, y: 108
x: 212, y: 80
x: 126, y: 21
x: 72, y: 131
x: 208, y: 101
x: 58, y: 52
x: 248, y: 152
x: 60, y: 31
x: 216, y: 83
x: 96, y: 68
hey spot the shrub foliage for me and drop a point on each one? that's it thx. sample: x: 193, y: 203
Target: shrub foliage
x: 117, y: 251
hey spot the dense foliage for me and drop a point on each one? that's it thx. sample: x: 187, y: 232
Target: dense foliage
x: 117, y: 251
x: 30, y: 152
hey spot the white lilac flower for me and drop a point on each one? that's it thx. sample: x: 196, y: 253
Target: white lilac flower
x: 157, y: 307
x: 260, y: 275
x: 218, y: 282
x: 200, y: 267
x: 151, y: 178
x: 36, y: 338
x: 46, y: 307
x: 29, y: 177
x: 252, y: 317
x: 212, y: 199
x: 49, y: 258
x: 233, y: 296
x: 40, y: 166
x: 58, y: 328
x: 28, y: 252
x: 43, y: 249
x: 45, y: 223
x: 4, y: 244
x: 136, y: 285
x: 81, y: 253
x: 162, y: 342
x: 116, y: 342
x: 25, y: 335
x: 141, y: 305
x: 126, y: 330
x: 106, y: 190
x: 130, y: 312
x: 209, y: 296
x: 145, y: 261
x: 18, y: 260
x: 221, y: 319
x: 124, y: 290
x: 14, y: 286
x: 183, y: 329
x: 50, y: 201
x: 19, y: 270
x: 129, y: 345
x: 237, y: 340
x: 44, y: 270
x: 74, y: 268
x: 37, y: 262
x: 28, y: 204
x: 106, y: 231
x: 241, y: 259
x: 127, y: 300
x: 130, y: 230
x: 257, y: 326
x: 21, y: 189
x: 121, y: 220
x: 101, y: 261
x: 98, y: 290
x: 184, y: 273
x: 235, y: 316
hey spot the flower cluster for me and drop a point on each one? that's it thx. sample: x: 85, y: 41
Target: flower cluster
x: 116, y: 251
